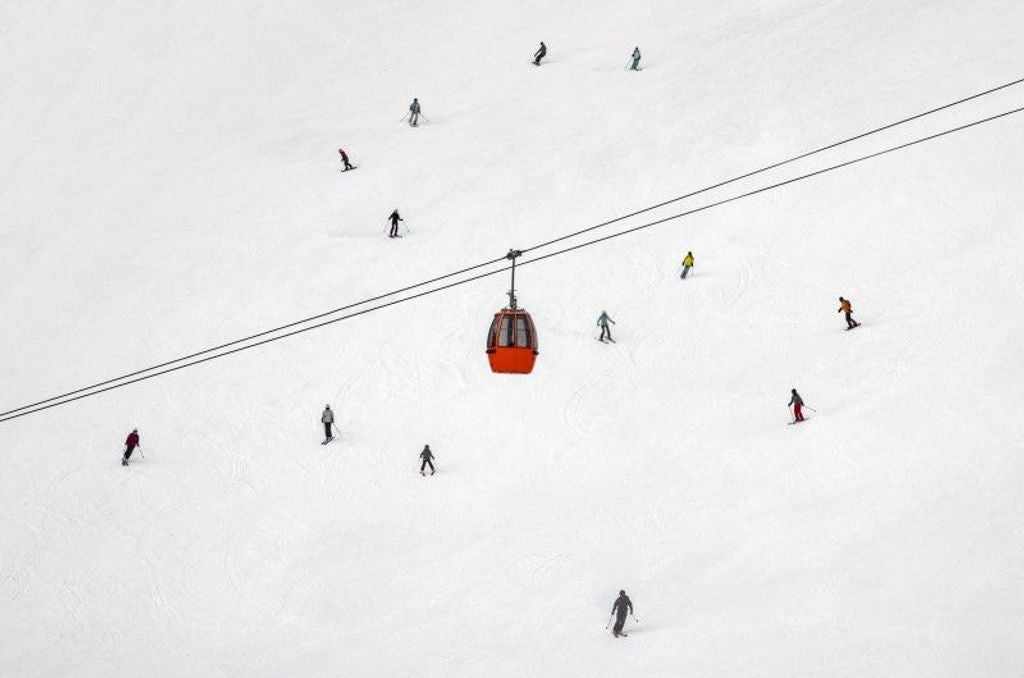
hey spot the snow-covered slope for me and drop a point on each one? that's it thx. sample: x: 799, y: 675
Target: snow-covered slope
x: 169, y: 182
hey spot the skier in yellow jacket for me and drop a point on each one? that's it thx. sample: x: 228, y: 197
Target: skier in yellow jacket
x: 687, y: 264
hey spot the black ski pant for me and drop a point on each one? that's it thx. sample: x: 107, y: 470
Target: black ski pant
x: 425, y: 464
x: 414, y: 119
x: 394, y: 230
x: 620, y: 621
x: 850, y: 322
x: 348, y: 165
x: 635, y: 66
x: 686, y: 269
x: 327, y: 429
x: 605, y: 332
x: 128, y: 452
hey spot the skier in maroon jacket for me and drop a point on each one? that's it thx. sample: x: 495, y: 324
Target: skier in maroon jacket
x: 130, y: 444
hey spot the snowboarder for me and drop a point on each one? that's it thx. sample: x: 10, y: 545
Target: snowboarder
x: 427, y: 456
x: 344, y: 160
x: 395, y: 218
x: 540, y: 53
x: 845, y: 307
x: 797, y: 403
x: 414, y: 112
x: 621, y: 606
x: 687, y: 264
x: 636, y: 59
x: 130, y: 443
x: 602, y: 322
x: 327, y: 419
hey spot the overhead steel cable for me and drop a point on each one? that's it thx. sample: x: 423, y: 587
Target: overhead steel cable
x: 770, y: 187
x: 776, y: 165
x: 259, y: 334
x: 61, y: 400
x: 529, y: 249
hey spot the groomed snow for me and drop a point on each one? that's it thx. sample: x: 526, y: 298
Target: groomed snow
x: 169, y: 181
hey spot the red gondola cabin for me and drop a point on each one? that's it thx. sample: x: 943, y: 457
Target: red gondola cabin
x: 512, y: 342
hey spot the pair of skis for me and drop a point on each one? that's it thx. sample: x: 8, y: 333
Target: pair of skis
x: 620, y: 634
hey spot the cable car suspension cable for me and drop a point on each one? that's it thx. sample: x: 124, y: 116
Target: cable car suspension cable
x: 139, y: 376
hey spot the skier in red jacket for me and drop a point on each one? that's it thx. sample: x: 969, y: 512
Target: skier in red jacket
x: 130, y: 443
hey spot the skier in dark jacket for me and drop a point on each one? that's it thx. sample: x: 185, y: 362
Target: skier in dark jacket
x: 845, y: 307
x: 344, y: 160
x: 636, y: 59
x: 395, y: 218
x: 327, y: 419
x: 427, y: 456
x: 540, y: 53
x: 621, y: 606
x: 414, y: 112
x: 130, y: 443
x: 797, y: 403
x: 602, y: 322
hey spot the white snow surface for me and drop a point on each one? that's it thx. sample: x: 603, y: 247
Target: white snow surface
x: 169, y: 181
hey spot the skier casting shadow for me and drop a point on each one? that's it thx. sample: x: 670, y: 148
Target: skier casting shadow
x: 344, y: 160
x: 797, y: 403
x: 635, y: 66
x: 846, y: 308
x: 540, y: 53
x: 130, y: 443
x: 427, y: 456
x: 606, y: 332
x: 395, y: 218
x: 414, y: 112
x: 327, y: 419
x: 687, y: 264
x: 620, y: 608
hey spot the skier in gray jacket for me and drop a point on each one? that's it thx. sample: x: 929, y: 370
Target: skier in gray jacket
x: 606, y: 331
x: 636, y: 59
x: 327, y: 419
x: 414, y: 112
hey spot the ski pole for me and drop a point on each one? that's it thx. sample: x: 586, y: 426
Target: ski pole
x: 609, y: 621
x: 334, y: 428
x: 810, y: 408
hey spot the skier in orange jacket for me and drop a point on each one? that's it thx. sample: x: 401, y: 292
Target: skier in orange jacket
x: 845, y: 307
